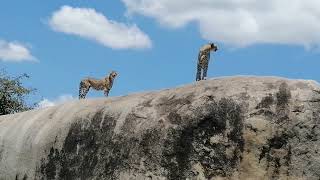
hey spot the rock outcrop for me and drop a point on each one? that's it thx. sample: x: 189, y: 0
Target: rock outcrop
x: 228, y: 128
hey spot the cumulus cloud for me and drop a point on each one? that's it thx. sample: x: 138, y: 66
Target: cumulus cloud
x: 239, y: 22
x: 89, y: 24
x: 49, y: 103
x: 14, y: 52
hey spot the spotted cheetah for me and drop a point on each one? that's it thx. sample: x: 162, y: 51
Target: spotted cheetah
x: 97, y: 84
x: 203, y: 60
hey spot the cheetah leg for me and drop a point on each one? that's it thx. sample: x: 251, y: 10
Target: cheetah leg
x: 198, y: 75
x: 106, y: 92
x: 85, y: 92
x: 204, y: 76
x: 81, y: 90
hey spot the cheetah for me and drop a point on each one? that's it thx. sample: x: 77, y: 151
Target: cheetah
x: 97, y: 84
x: 203, y: 60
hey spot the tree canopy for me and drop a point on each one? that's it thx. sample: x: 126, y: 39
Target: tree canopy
x: 13, y: 94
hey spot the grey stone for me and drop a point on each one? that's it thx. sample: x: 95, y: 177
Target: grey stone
x: 227, y: 128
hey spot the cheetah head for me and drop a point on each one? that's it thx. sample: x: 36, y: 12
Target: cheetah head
x: 214, y: 47
x: 113, y: 74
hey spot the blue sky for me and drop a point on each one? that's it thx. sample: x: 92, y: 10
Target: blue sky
x: 164, y: 50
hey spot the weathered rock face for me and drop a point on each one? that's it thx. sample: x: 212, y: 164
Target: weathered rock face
x: 230, y: 128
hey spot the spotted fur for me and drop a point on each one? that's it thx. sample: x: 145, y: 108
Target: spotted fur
x: 97, y: 84
x: 203, y: 60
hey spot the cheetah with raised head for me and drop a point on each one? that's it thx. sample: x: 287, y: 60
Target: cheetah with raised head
x: 203, y: 60
x: 97, y: 84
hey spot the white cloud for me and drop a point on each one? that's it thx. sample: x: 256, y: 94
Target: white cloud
x: 49, y: 103
x: 14, y: 52
x: 89, y: 24
x: 239, y: 22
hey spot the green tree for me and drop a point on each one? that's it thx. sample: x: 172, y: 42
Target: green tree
x: 13, y: 94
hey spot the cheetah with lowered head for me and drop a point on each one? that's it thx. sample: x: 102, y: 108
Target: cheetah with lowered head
x: 203, y: 60
x: 97, y: 84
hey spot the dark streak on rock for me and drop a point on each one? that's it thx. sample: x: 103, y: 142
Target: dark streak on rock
x: 90, y: 151
x: 168, y: 103
x: 192, y: 143
x: 151, y: 145
x: 174, y: 118
x: 25, y: 177
x: 266, y: 102
x: 79, y: 155
x: 1, y: 152
x: 282, y: 105
x: 265, y: 112
x: 279, y: 143
x: 264, y: 107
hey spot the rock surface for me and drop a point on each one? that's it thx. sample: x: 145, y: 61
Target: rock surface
x: 228, y: 128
